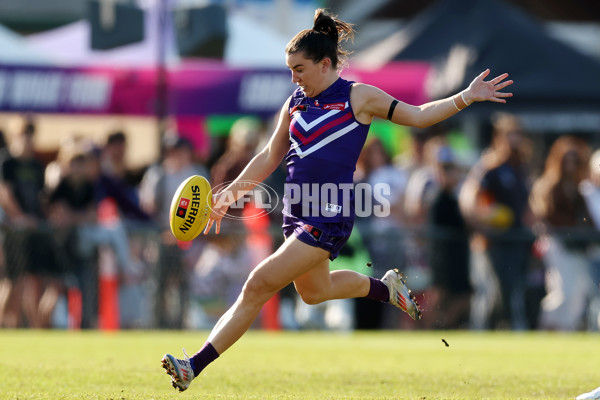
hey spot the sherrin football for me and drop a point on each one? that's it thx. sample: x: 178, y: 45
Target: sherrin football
x: 190, y: 208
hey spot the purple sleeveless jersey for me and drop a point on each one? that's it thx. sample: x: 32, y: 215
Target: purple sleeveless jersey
x: 325, y: 142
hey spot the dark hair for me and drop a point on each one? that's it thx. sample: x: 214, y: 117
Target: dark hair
x: 177, y: 142
x: 29, y: 128
x: 323, y: 40
x: 558, y: 151
x: 117, y: 137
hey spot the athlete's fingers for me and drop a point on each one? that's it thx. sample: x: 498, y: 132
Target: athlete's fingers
x: 484, y: 74
x: 208, y: 226
x: 502, y: 85
x: 499, y: 78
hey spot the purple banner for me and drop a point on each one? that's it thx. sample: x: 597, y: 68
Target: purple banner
x: 221, y: 90
x: 193, y: 89
x: 54, y: 90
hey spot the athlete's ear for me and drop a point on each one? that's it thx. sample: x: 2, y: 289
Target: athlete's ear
x: 325, y: 64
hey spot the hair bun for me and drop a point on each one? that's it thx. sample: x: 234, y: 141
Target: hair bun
x: 323, y: 40
x: 325, y: 24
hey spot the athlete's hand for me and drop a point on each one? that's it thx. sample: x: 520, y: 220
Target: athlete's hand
x: 218, y: 210
x: 480, y: 90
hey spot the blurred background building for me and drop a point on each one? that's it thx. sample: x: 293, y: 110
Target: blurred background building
x: 140, y: 60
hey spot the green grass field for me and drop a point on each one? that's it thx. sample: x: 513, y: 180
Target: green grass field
x: 304, y: 365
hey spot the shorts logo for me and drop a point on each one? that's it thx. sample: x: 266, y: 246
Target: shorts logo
x: 334, y: 208
x: 182, y: 207
x: 314, y: 232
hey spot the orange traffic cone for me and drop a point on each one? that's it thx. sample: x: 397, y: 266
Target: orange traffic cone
x: 108, y: 277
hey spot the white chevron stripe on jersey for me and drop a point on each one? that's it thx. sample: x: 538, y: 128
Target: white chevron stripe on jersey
x: 327, y: 140
x: 308, y: 126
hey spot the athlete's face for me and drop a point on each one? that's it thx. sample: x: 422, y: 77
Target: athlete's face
x: 307, y: 74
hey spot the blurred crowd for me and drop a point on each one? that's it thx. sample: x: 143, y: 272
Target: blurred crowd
x: 493, y: 243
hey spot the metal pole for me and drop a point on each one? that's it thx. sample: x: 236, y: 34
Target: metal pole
x: 162, y: 81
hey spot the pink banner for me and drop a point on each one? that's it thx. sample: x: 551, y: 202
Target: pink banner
x: 405, y: 81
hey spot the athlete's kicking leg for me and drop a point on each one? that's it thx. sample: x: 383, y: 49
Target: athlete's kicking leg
x: 291, y: 260
x: 308, y: 268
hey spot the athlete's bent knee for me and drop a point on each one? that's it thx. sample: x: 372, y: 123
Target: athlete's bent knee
x: 257, y: 288
x: 312, y: 298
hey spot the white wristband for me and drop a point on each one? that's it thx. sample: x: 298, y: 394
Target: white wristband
x: 454, y: 102
x: 462, y: 96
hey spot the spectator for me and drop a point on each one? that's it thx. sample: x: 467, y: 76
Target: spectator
x: 494, y: 200
x: 71, y: 199
x: 566, y: 220
x: 34, y: 268
x: 59, y: 167
x: 113, y: 155
x: 159, y: 184
x: 218, y: 275
x: 5, y: 282
x: 414, y: 157
x: 449, y: 297
x: 421, y: 180
x: 119, y: 214
x: 590, y: 190
x: 72, y: 214
x: 77, y: 201
x: 112, y: 179
x: 241, y: 147
x: 420, y: 191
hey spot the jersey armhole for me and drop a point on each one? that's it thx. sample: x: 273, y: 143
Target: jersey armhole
x: 350, y: 105
x: 289, y: 104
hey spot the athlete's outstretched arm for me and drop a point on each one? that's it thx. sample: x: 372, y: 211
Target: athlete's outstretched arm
x: 369, y: 101
x: 259, y: 168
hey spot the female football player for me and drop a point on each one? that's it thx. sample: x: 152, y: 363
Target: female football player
x: 321, y: 129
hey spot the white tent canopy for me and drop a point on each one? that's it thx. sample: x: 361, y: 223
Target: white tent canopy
x: 253, y: 41
x: 16, y: 51
x: 252, y: 44
x: 70, y: 45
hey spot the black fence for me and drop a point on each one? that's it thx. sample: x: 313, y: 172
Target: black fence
x: 139, y: 277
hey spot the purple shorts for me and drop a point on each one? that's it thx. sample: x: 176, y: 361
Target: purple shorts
x: 328, y: 236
